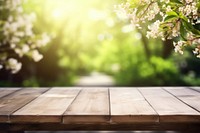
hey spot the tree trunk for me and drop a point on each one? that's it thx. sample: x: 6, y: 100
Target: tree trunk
x: 167, y: 48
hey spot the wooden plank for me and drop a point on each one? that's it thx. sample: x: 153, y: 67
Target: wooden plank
x: 120, y: 127
x: 188, y: 96
x: 7, y: 91
x: 195, y: 88
x: 169, y: 108
x: 128, y: 105
x: 15, y: 101
x: 49, y: 107
x: 90, y: 106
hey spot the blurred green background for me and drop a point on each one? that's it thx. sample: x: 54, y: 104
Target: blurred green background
x: 88, y: 36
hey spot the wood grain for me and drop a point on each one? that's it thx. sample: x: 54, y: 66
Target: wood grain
x: 48, y: 107
x: 7, y: 91
x: 15, y: 101
x: 128, y: 106
x: 90, y: 106
x: 188, y: 96
x: 195, y: 88
x: 169, y: 108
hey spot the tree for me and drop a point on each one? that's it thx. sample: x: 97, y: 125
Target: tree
x: 169, y: 19
x: 17, y: 38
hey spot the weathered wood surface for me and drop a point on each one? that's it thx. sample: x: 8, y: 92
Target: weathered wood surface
x: 150, y: 108
x: 16, y: 100
x: 90, y: 106
x: 7, y: 91
x: 48, y: 107
x: 128, y: 105
x: 168, y: 107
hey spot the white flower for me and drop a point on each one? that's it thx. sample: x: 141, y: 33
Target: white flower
x: 15, y: 39
x: 17, y: 28
x: 176, y: 30
x: 168, y: 9
x: 19, y: 52
x: 178, y: 47
x: 152, y: 12
x: 154, y: 30
x: 122, y: 10
x: 12, y: 45
x: 36, y: 55
x: 25, y: 48
x: 196, y: 51
x: 13, y: 65
x: 188, y: 1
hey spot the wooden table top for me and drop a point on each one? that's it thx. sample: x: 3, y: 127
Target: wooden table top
x: 70, y: 105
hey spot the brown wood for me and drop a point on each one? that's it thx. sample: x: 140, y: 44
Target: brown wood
x: 15, y: 101
x: 195, y: 88
x: 7, y: 91
x: 102, y: 127
x: 90, y: 106
x: 188, y: 96
x: 114, y: 109
x: 11, y: 131
x: 128, y: 105
x: 169, y: 108
x: 48, y: 107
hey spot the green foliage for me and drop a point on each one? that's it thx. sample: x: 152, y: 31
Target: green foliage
x: 87, y: 36
x: 33, y: 82
x: 156, y: 72
x: 127, y: 62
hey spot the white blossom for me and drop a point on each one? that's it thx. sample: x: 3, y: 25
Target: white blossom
x: 172, y: 17
x: 154, y: 30
x: 176, y: 30
x: 25, y: 48
x: 43, y: 41
x: 36, y: 55
x: 17, y: 35
x: 178, y: 47
x: 13, y: 65
x: 168, y: 8
x: 188, y: 1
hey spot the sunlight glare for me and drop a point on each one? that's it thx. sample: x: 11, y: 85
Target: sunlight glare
x: 57, y: 13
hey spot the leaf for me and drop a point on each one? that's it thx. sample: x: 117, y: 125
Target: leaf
x: 172, y: 13
x: 183, y: 32
x: 190, y: 27
x: 169, y: 18
x: 176, y: 1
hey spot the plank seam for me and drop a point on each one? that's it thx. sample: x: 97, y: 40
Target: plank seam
x: 9, y: 119
x: 109, y: 100
x: 149, y: 104
x: 181, y: 100
x: 194, y: 89
x: 8, y: 116
x: 62, y: 116
x: 11, y: 93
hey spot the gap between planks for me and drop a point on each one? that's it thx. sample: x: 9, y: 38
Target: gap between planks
x: 187, y: 97
x: 16, y: 100
x: 90, y: 106
x: 109, y: 117
x: 48, y: 107
x: 169, y: 108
